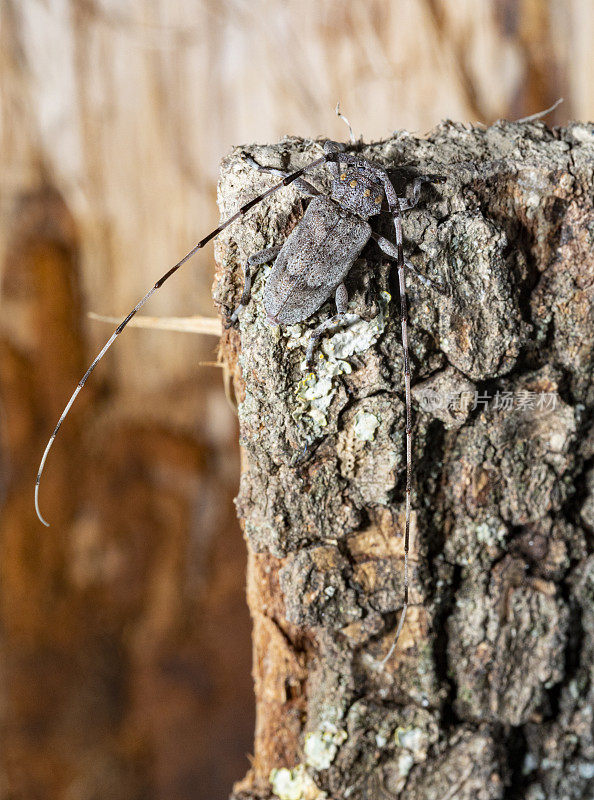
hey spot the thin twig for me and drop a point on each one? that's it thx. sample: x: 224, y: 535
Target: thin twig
x: 541, y: 114
x: 209, y: 326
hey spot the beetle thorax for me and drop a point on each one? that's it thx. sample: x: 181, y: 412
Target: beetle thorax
x: 360, y: 193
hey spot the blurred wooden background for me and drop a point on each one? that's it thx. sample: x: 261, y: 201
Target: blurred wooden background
x: 124, y: 638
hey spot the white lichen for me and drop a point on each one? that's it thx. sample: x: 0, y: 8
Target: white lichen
x: 366, y: 425
x: 316, y: 389
x: 405, y: 763
x: 294, y: 784
x: 413, y: 739
x: 583, y: 133
x: 321, y: 746
x: 380, y: 740
x: 491, y: 532
x: 586, y: 769
x: 530, y: 764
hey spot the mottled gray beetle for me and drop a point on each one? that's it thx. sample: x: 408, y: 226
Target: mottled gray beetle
x: 311, y: 267
x: 315, y: 259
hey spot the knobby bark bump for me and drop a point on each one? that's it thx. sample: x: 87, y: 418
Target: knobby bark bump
x: 488, y: 694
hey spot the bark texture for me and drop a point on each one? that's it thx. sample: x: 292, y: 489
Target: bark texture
x: 488, y: 694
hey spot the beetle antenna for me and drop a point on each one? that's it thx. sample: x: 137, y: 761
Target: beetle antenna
x: 243, y: 210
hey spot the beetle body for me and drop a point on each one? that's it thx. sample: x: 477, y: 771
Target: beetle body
x: 314, y: 261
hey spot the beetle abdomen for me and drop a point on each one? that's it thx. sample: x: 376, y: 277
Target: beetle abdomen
x: 313, y: 261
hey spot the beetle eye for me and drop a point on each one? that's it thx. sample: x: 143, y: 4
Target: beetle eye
x: 353, y: 183
x: 343, y: 176
x: 367, y: 193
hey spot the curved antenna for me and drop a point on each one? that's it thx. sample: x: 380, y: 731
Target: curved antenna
x: 243, y: 210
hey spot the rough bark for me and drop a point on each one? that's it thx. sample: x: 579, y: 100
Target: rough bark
x: 488, y: 693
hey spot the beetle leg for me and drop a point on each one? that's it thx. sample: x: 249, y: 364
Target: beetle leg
x: 340, y: 318
x: 391, y: 250
x: 333, y: 147
x: 304, y: 186
x: 341, y: 298
x: 407, y: 203
x: 437, y: 287
x: 263, y: 257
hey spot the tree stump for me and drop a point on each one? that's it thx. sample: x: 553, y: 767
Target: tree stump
x: 488, y: 693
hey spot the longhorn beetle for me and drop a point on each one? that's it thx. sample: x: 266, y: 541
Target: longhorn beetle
x: 311, y: 267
